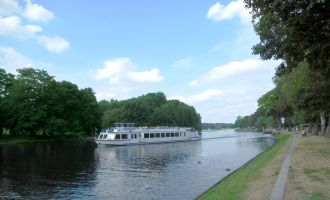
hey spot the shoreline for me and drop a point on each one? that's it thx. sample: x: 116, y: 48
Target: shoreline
x: 236, y: 183
x: 30, y: 140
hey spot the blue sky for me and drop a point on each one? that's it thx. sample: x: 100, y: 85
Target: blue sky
x: 198, y: 52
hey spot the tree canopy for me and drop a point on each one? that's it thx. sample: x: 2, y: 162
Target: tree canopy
x: 298, y: 33
x: 152, y: 109
x: 33, y: 103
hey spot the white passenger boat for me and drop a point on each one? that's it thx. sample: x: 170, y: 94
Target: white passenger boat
x: 126, y: 134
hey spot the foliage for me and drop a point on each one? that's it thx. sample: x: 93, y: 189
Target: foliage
x: 298, y: 33
x: 293, y: 31
x: 150, y: 110
x: 39, y: 106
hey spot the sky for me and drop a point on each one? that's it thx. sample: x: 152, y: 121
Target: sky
x: 198, y: 52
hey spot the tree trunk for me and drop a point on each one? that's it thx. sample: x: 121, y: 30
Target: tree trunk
x: 322, y: 123
x: 328, y: 128
x: 315, y: 130
x: 279, y: 123
x: 310, y: 128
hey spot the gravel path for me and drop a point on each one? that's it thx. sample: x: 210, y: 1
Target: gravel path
x: 279, y: 187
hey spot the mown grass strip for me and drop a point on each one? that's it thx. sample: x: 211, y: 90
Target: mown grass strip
x: 233, y: 186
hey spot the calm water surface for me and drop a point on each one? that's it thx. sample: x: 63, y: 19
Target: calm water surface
x: 72, y: 170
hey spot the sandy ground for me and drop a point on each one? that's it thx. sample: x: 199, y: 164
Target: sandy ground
x: 309, y: 174
x: 260, y: 189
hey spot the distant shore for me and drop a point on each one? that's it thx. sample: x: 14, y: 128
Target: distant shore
x: 247, y: 130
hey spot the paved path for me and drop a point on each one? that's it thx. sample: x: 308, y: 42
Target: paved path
x: 279, y: 187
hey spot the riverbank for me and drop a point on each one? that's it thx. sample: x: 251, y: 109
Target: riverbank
x: 27, y: 139
x: 236, y: 185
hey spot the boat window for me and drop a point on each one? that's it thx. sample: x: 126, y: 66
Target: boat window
x: 167, y: 134
x: 172, y: 134
x: 163, y: 135
x: 180, y: 134
x: 101, y: 136
x: 176, y: 134
x: 184, y: 133
x: 124, y: 136
x: 135, y: 136
x: 105, y: 136
x: 157, y: 134
x: 117, y: 137
x: 146, y: 135
x: 152, y: 135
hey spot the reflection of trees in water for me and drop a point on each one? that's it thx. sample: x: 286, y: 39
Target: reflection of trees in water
x: 153, y: 157
x: 261, y: 142
x: 37, y: 170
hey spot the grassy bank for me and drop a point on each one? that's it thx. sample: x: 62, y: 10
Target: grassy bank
x: 27, y: 139
x: 310, y: 177
x: 234, y: 185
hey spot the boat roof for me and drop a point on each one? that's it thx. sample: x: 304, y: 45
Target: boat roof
x: 121, y: 124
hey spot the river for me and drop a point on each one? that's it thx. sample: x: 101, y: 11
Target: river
x: 81, y: 170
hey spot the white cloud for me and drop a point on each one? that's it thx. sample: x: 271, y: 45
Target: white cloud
x: 54, y: 44
x: 115, y: 68
x: 184, y: 62
x: 124, y: 79
x: 193, y: 83
x: 146, y: 76
x: 36, y: 12
x: 123, y: 69
x: 11, y: 60
x: 206, y: 95
x: 234, y: 68
x: 235, y: 8
x: 12, y: 27
x: 200, y: 97
x: 8, y: 7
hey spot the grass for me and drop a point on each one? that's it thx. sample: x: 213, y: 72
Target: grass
x: 318, y: 175
x: 233, y: 186
x: 316, y: 196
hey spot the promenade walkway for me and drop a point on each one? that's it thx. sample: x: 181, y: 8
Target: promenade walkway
x: 279, y: 186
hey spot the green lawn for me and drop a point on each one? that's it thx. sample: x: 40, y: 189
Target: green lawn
x: 233, y: 186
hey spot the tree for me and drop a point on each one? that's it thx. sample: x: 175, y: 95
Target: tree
x: 297, y: 32
x: 6, y: 81
x: 150, y: 110
x: 33, y: 103
x: 27, y: 111
x: 293, y: 31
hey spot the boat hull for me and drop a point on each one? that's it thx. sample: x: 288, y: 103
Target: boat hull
x: 143, y: 142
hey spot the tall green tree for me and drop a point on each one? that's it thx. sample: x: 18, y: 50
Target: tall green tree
x: 6, y: 81
x: 27, y: 112
x: 293, y: 31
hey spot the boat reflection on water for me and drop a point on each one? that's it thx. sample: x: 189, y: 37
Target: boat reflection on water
x: 144, y: 170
